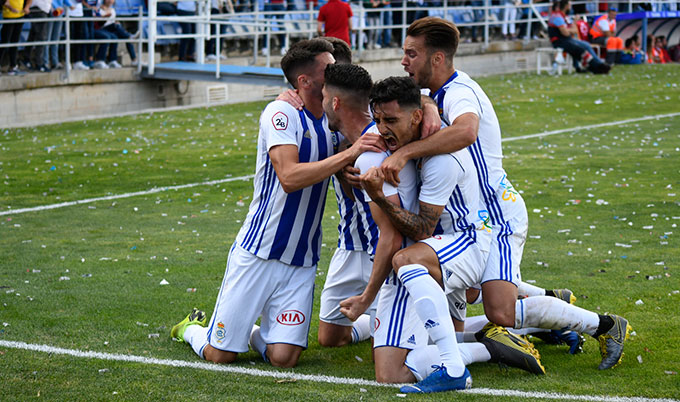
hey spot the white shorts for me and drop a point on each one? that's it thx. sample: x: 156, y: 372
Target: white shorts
x: 348, y: 276
x: 396, y: 323
x: 281, y: 294
x: 507, y: 243
x: 462, y: 258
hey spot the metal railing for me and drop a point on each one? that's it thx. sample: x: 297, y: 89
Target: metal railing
x: 262, y: 25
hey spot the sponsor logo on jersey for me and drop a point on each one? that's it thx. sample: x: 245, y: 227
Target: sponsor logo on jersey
x: 280, y: 121
x: 430, y: 324
x: 448, y: 274
x: 412, y: 340
x: 290, y: 317
x: 307, y: 134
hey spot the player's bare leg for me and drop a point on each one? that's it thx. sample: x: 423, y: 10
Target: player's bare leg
x: 499, y: 299
x: 333, y: 335
x: 283, y: 354
x: 390, y: 365
x: 218, y: 356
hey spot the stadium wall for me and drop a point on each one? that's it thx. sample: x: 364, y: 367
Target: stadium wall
x: 45, y: 98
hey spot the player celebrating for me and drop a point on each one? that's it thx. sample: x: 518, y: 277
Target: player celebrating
x: 272, y: 264
x: 428, y: 57
x: 401, y: 350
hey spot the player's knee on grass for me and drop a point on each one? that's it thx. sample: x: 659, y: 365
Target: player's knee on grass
x: 390, y: 366
x: 283, y: 355
x: 218, y: 356
x: 333, y: 335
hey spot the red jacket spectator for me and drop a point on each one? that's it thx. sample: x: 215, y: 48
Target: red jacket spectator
x: 335, y: 16
x: 583, y: 29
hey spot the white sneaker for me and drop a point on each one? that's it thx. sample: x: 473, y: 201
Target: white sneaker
x: 134, y: 63
x: 559, y: 59
x: 136, y: 35
x: 265, y: 51
x: 100, y: 65
x: 210, y: 57
x: 79, y: 65
x: 223, y: 57
x: 115, y: 64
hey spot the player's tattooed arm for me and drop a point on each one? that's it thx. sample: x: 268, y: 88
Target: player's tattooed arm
x: 414, y: 226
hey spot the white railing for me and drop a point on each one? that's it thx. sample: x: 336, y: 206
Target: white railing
x: 253, y: 26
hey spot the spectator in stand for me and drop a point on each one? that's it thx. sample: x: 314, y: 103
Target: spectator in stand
x: 217, y: 7
x: 603, y: 33
x: 664, y: 48
x: 11, y: 33
x: 335, y: 20
x: 509, y: 18
x: 583, y: 28
x: 33, y: 55
x: 562, y: 35
x: 114, y: 30
x: 674, y: 52
x: 187, y: 46
x: 54, y: 27
x: 631, y: 53
x: 652, y: 56
x: 660, y: 51
x: 83, y: 30
x: 373, y: 20
x: 276, y: 5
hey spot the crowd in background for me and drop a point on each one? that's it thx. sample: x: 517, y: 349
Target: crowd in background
x: 509, y: 18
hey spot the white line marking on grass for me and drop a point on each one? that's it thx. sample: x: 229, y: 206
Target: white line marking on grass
x: 126, y: 195
x: 213, y: 182
x: 304, y: 377
x: 612, y: 123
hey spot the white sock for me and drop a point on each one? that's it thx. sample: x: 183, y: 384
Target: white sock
x: 469, y: 337
x: 257, y: 343
x: 527, y: 331
x: 361, y: 329
x: 526, y: 290
x: 433, y: 309
x: 197, y: 337
x: 551, y: 313
x: 475, y: 323
x: 421, y: 360
x: 474, y: 352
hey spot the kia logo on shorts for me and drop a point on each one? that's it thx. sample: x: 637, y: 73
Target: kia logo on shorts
x: 290, y: 317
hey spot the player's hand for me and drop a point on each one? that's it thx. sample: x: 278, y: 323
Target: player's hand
x: 391, y: 167
x: 291, y: 97
x: 372, y: 181
x: 354, y: 307
x: 431, y: 120
x: 351, y: 175
x: 369, y: 142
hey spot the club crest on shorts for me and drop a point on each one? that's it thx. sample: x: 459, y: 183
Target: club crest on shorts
x: 220, y: 333
x: 290, y: 317
x: 280, y: 121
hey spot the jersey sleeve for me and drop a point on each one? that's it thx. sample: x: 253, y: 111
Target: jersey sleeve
x: 558, y: 21
x: 279, y: 125
x: 460, y: 101
x: 439, y: 175
x: 368, y: 160
x: 349, y: 11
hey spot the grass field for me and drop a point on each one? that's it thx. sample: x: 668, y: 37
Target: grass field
x: 603, y: 208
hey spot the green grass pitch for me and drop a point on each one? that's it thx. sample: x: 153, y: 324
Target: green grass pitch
x: 603, y: 209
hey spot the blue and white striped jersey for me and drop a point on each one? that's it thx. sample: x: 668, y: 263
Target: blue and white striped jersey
x: 281, y: 226
x: 406, y: 190
x: 354, y: 231
x: 450, y: 180
x: 459, y: 95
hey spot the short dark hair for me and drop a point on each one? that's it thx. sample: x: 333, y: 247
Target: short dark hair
x: 341, y: 51
x: 440, y: 35
x: 301, y: 56
x: 402, y: 89
x: 350, y: 78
